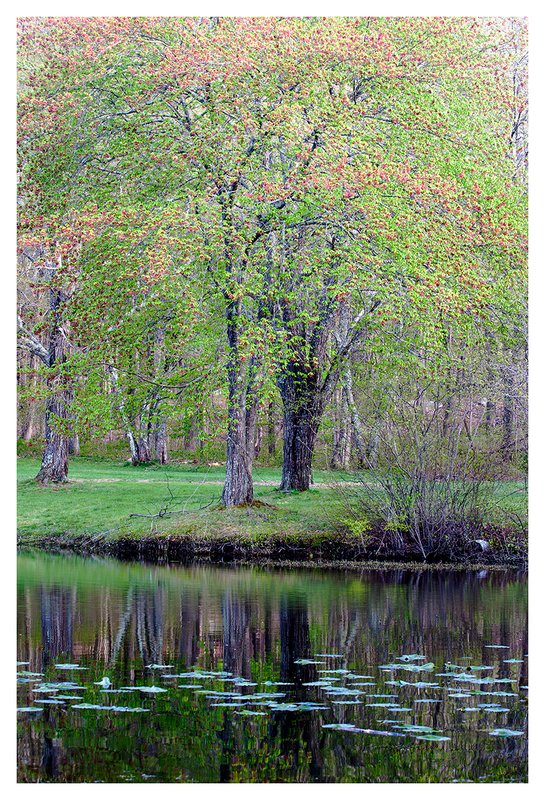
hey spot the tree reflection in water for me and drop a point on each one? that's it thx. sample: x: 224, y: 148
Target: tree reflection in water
x: 117, y: 618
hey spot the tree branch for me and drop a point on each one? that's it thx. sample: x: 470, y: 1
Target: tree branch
x: 32, y: 343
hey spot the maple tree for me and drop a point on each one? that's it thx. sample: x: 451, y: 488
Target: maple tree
x: 323, y: 178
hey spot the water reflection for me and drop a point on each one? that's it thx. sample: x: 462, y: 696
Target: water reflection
x: 116, y: 618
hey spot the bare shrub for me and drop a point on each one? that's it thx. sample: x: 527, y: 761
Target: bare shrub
x: 433, y: 489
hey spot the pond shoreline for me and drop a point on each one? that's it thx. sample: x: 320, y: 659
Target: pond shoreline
x: 323, y: 551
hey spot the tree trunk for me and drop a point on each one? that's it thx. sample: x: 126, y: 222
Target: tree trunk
x: 159, y: 435
x: 161, y: 451
x: 73, y: 445
x: 372, y: 447
x: 342, y: 436
x: 357, y: 427
x: 238, y: 489
x: 144, y: 454
x: 303, y: 406
x: 271, y: 431
x: 490, y: 415
x: 54, y: 466
x: 252, y: 407
x: 507, y: 416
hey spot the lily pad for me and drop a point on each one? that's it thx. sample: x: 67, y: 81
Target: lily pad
x: 419, y: 684
x: 414, y: 728
x: 159, y: 666
x: 505, y: 732
x: 513, y: 661
x: 96, y: 707
x: 151, y: 689
x: 247, y: 713
x: 277, y: 683
x: 329, y: 655
x: 198, y: 675
x: 322, y: 684
x: 411, y: 657
x: 225, y: 705
x: 69, y: 666
x: 428, y: 667
x: 377, y: 733
x: 130, y: 709
x: 382, y: 705
x: 346, y: 702
x: 340, y: 726
x: 29, y: 709
x: 51, y: 701
x: 306, y: 661
x: 433, y: 737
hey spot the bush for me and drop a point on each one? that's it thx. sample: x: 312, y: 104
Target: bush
x: 433, y: 493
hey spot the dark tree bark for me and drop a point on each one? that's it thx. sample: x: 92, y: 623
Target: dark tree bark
x: 303, y: 402
x: 54, y: 466
x: 238, y: 489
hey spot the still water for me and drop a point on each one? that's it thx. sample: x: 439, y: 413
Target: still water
x: 136, y: 673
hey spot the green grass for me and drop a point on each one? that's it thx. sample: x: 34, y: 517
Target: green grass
x: 102, y: 495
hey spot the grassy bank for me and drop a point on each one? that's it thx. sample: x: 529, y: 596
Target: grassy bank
x: 173, y: 512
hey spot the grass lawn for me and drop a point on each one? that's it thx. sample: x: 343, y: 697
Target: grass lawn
x: 102, y: 495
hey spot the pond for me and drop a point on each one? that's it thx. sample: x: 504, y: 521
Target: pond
x: 131, y: 672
